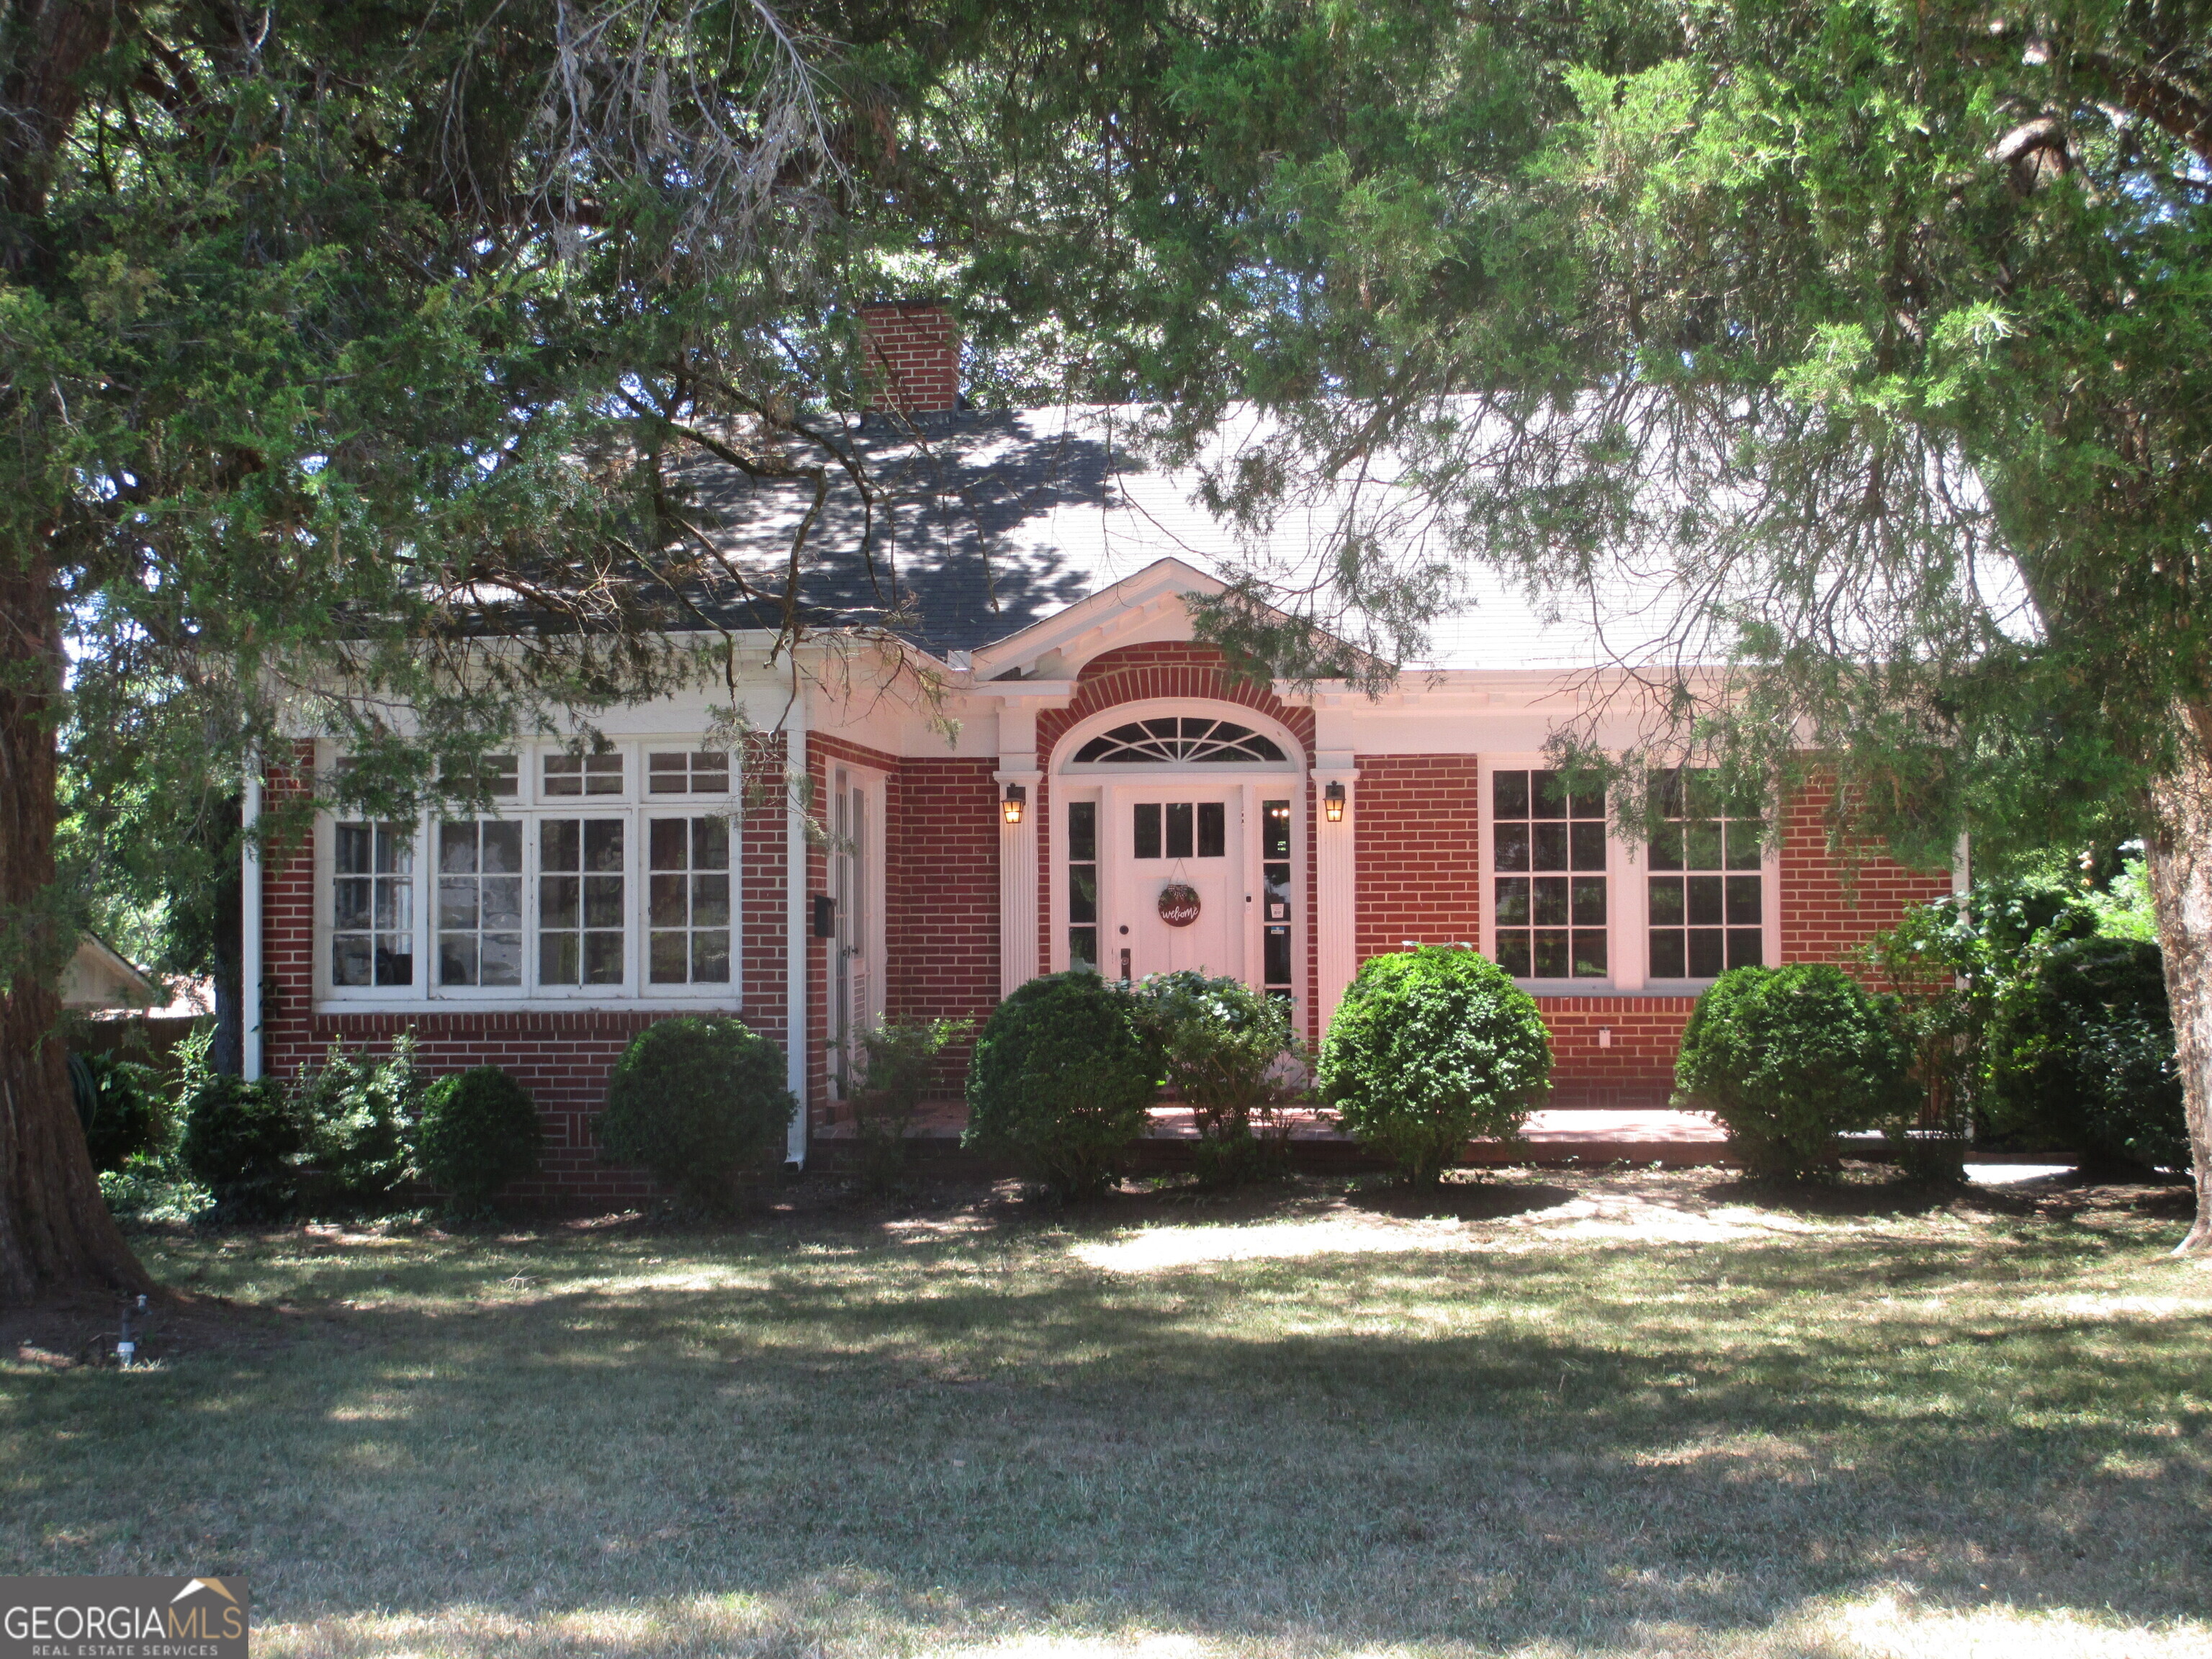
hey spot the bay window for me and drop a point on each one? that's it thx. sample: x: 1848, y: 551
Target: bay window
x: 582, y: 881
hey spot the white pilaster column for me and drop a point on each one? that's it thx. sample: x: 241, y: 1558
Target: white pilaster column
x: 1336, y: 883
x: 1017, y: 876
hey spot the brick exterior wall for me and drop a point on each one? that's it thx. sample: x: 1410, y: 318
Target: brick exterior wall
x: 913, y: 357
x: 1831, y: 903
x: 1418, y: 852
x: 942, y: 934
x: 1636, y: 1069
x: 563, y: 1058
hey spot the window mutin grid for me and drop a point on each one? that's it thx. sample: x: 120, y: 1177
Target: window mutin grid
x: 686, y: 772
x: 687, y: 901
x: 1707, y: 888
x: 567, y: 775
x: 581, y: 908
x: 480, y: 903
x: 373, y: 904
x: 1180, y: 739
x: 1548, y: 860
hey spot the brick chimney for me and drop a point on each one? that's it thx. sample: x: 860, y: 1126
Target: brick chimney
x: 913, y: 357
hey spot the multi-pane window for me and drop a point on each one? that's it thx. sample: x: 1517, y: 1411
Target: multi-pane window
x: 583, y: 775
x: 688, y: 878
x: 1708, y: 906
x: 687, y: 773
x: 1275, y: 871
x: 1548, y: 856
x: 1083, y: 886
x: 480, y: 904
x: 1181, y: 829
x: 373, y: 905
x: 579, y: 902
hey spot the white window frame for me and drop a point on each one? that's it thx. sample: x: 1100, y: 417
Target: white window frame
x: 1770, y: 915
x: 634, y: 807
x: 1624, y: 893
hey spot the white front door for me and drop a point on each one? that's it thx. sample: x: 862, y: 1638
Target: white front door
x: 1174, y: 844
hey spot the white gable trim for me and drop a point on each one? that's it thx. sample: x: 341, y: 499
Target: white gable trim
x: 1098, y: 621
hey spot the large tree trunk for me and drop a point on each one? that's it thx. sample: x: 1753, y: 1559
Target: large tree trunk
x: 55, y: 1232
x: 2180, y: 847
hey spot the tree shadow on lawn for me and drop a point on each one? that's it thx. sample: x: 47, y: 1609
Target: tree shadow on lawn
x: 967, y: 1441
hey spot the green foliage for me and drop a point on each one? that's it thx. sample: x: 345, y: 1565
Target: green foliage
x: 1789, y: 1057
x: 2083, y: 1053
x: 1061, y: 1081
x: 1429, y: 1049
x: 699, y: 1103
x: 243, y: 1142
x: 899, y: 1064
x: 1232, y: 1055
x: 124, y: 1109
x: 479, y: 1131
x: 358, y: 1117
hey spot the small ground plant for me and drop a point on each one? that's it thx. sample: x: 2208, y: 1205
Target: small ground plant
x: 700, y: 1102
x: 357, y: 1116
x: 1060, y: 1082
x: 1430, y: 1049
x: 899, y: 1061
x: 1232, y: 1055
x: 1789, y: 1057
x: 480, y: 1130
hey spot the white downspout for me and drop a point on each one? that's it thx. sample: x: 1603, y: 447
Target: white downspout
x: 797, y: 945
x: 249, y: 928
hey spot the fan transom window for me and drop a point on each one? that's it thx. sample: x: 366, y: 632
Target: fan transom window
x: 1171, y: 739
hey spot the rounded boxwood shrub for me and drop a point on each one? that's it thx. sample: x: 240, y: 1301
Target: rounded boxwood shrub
x: 479, y: 1131
x: 1060, y: 1080
x: 1233, y: 1055
x: 243, y: 1141
x: 2082, y: 1052
x: 698, y: 1102
x: 1430, y: 1049
x: 1789, y: 1057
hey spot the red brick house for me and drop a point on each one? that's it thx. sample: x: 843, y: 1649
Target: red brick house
x: 1013, y: 749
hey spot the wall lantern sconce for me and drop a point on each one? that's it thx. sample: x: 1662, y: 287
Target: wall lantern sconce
x: 1017, y: 797
x: 1332, y: 802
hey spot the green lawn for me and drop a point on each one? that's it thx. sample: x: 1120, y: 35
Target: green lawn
x: 1587, y: 1414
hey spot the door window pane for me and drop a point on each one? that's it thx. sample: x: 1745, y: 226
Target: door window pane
x: 480, y: 904
x: 1275, y: 965
x: 687, y: 902
x: 1083, y: 885
x: 373, y: 905
x: 1146, y: 829
x: 1212, y: 830
x: 1548, y: 899
x: 1182, y: 829
x: 579, y: 902
x: 1704, y: 920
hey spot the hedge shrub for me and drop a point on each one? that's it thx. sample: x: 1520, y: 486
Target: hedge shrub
x: 1429, y: 1049
x: 1060, y: 1080
x: 2082, y: 1052
x: 1232, y: 1053
x: 479, y: 1131
x: 1789, y: 1057
x: 698, y: 1102
x: 121, y: 1105
x: 899, y: 1064
x: 244, y: 1142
